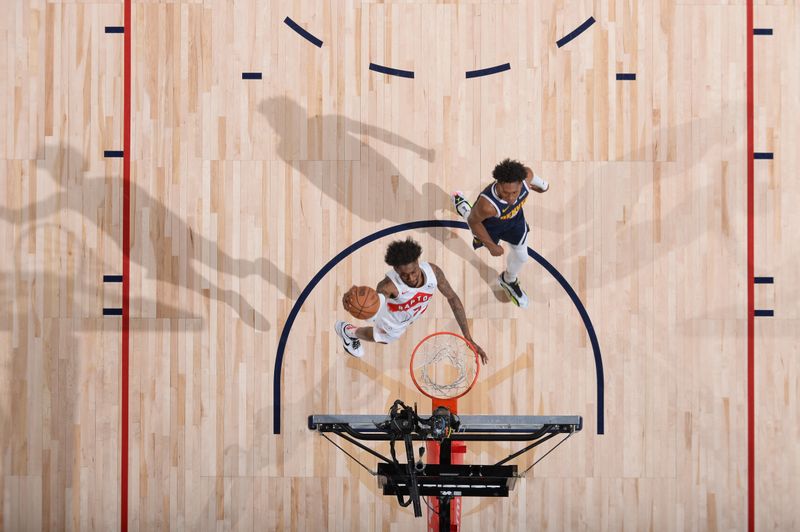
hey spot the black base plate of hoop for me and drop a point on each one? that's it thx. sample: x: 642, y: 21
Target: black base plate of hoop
x: 455, y: 480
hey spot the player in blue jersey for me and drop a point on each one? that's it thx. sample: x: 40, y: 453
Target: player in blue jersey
x: 497, y: 215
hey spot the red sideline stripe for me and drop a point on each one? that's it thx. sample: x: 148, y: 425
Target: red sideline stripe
x: 126, y: 263
x: 751, y: 474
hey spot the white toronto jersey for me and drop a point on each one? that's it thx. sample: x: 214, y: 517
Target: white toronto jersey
x: 399, y: 312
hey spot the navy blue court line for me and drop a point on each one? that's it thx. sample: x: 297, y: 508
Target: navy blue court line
x: 763, y: 280
x: 112, y: 153
x: 287, y: 327
x: 112, y: 312
x: 574, y: 33
x: 306, y: 35
x: 622, y: 76
x: 115, y: 29
x: 112, y: 278
x: 587, y: 322
x: 762, y: 155
x: 764, y: 313
x: 391, y: 71
x: 251, y: 75
x: 762, y: 31
x: 488, y: 71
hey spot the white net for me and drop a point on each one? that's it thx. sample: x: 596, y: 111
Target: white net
x: 444, y: 366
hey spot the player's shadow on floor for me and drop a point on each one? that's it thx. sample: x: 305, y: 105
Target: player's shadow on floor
x: 91, y: 319
x: 74, y: 295
x: 49, y: 313
x: 66, y: 167
x: 353, y: 183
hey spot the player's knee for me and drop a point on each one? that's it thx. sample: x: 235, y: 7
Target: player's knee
x: 521, y: 253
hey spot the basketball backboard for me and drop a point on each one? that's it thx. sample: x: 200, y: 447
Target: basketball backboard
x: 442, y: 477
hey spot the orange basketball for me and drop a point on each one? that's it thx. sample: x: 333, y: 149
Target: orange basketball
x: 362, y: 302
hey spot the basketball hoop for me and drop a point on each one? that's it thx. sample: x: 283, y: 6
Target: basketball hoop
x: 444, y: 366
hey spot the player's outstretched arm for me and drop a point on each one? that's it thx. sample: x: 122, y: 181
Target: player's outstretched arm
x: 457, y: 308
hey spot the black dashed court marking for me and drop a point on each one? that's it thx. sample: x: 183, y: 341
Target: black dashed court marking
x: 764, y: 155
x: 251, y: 75
x: 488, y: 71
x: 112, y: 312
x: 574, y: 33
x: 115, y: 29
x: 112, y: 278
x: 626, y: 76
x: 762, y: 31
x: 391, y: 71
x: 112, y: 153
x: 306, y: 35
x: 764, y: 280
x: 764, y: 313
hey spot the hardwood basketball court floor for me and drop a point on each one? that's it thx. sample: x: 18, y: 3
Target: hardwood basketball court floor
x: 175, y: 177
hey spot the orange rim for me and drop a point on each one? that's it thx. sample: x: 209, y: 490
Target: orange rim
x: 471, y: 348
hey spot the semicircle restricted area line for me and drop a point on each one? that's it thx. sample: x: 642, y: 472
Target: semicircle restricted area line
x: 421, y: 224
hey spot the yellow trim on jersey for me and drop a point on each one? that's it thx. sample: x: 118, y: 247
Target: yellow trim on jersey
x: 513, y: 212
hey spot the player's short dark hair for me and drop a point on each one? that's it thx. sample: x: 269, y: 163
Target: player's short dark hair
x: 509, y: 171
x: 402, y: 252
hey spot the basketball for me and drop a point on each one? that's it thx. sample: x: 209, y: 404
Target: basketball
x: 362, y: 302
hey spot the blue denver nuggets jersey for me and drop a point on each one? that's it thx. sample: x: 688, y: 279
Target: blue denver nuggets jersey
x: 507, y: 214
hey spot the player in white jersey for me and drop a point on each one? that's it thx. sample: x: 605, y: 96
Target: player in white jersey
x: 404, y: 293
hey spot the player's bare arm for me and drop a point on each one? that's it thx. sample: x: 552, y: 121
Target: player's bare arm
x: 387, y: 288
x: 536, y: 183
x: 457, y: 307
x: 481, y: 211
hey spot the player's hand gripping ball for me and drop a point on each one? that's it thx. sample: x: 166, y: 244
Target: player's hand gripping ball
x: 361, y: 302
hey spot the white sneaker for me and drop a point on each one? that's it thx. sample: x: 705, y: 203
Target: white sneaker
x: 514, y: 291
x: 461, y: 204
x: 351, y: 344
